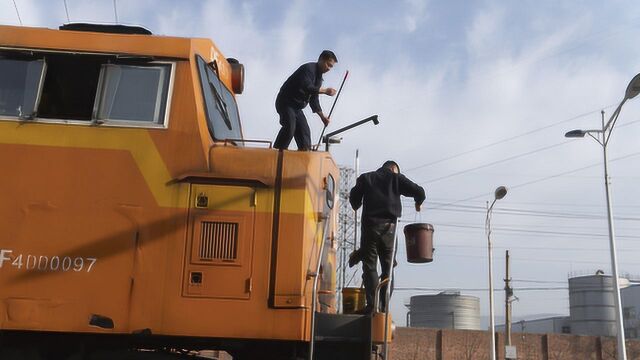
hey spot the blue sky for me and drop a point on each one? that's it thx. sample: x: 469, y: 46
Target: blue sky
x: 448, y: 77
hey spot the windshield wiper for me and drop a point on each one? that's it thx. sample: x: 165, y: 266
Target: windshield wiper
x: 221, y: 105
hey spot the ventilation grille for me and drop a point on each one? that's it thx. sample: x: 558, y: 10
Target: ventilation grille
x: 218, y: 241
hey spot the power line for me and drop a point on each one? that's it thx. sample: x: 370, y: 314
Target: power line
x: 530, y: 259
x: 539, y: 281
x: 545, y: 204
x: 508, y: 139
x: 472, y: 235
x: 571, y: 171
x: 495, y: 162
x: 522, y: 289
x: 540, y: 179
x: 66, y: 10
x: 533, y: 248
x: 508, y: 158
x: 17, y: 12
x: 115, y: 10
x: 506, y: 229
x: 516, y: 211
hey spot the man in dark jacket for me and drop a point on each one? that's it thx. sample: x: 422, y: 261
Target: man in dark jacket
x: 379, y: 193
x: 300, y: 89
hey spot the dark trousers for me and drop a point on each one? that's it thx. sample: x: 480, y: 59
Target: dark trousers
x: 294, y: 125
x: 376, y: 243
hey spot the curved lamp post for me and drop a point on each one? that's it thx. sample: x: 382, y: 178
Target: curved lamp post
x: 602, y: 136
x: 500, y: 192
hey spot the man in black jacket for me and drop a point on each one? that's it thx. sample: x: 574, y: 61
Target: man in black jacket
x: 300, y: 89
x: 379, y: 193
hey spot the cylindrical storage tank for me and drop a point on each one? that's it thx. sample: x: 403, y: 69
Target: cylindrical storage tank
x: 591, y: 305
x: 445, y: 311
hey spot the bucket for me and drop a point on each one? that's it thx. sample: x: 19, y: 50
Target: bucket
x: 353, y: 299
x: 419, y: 239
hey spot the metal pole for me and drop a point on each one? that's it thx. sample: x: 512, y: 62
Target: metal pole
x: 332, y: 106
x: 492, y: 326
x: 507, y: 302
x: 343, y: 262
x: 355, y: 213
x: 314, y: 293
x: 621, y: 348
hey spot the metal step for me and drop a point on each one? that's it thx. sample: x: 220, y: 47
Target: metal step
x: 343, y: 327
x: 340, y: 336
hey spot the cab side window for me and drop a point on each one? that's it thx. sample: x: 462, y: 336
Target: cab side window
x: 133, y: 93
x: 70, y: 86
x: 20, y: 86
x: 84, y: 88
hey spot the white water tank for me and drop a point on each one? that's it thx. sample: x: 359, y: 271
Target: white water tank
x: 592, y: 306
x: 445, y: 311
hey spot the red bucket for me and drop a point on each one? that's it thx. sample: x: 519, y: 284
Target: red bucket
x: 419, y: 240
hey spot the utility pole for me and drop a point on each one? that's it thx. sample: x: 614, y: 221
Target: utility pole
x: 508, y: 294
x: 509, y: 351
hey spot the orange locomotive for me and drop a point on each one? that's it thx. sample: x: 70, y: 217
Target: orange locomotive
x: 134, y: 214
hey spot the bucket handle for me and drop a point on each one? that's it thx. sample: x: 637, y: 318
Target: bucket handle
x: 418, y: 217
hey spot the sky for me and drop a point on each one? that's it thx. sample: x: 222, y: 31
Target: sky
x: 470, y: 96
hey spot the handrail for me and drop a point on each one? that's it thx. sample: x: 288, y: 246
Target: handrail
x: 250, y: 141
x: 376, y: 301
x: 314, y: 292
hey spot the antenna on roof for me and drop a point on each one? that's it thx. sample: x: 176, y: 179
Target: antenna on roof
x: 18, y: 12
x: 115, y: 10
x: 66, y: 10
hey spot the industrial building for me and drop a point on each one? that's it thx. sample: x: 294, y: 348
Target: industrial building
x: 554, y: 324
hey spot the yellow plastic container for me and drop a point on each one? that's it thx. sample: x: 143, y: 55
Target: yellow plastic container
x: 353, y: 299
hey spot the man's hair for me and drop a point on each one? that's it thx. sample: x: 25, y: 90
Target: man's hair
x: 389, y: 164
x: 327, y: 54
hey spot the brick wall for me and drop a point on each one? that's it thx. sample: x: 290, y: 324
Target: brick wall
x: 435, y: 344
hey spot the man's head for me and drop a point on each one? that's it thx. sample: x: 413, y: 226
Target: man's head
x: 391, y: 165
x: 326, y: 60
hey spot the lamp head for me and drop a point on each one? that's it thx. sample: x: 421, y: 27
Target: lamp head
x: 375, y: 120
x: 501, y: 192
x: 575, y: 134
x: 633, y: 89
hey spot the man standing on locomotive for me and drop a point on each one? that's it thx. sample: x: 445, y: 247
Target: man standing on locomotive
x: 300, y: 89
x: 379, y: 193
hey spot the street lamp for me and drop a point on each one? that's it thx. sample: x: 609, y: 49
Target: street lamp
x: 602, y: 137
x: 500, y: 192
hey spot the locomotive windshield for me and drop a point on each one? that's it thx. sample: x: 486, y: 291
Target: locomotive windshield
x: 222, y: 111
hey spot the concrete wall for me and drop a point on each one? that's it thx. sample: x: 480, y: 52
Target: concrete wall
x: 434, y: 344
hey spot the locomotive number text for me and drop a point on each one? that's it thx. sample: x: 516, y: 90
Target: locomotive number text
x: 46, y: 263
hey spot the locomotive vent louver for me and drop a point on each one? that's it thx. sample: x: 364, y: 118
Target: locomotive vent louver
x: 218, y: 241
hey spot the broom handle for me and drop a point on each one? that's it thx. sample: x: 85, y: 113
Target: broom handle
x: 331, y: 111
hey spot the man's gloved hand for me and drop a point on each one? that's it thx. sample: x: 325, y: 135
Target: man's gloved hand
x: 418, y: 207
